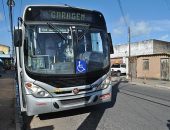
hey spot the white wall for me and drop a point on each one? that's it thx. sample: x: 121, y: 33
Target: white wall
x: 140, y: 48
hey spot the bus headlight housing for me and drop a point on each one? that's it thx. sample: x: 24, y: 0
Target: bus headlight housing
x: 37, y: 91
x: 105, y: 83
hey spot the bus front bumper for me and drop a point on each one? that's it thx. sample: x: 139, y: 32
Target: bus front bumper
x: 37, y: 106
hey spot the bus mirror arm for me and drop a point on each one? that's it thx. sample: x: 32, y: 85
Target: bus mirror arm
x: 110, y: 43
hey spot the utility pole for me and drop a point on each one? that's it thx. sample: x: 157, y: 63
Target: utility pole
x: 129, y: 62
x: 11, y: 4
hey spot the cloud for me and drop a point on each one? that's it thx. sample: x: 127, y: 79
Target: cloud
x: 164, y: 37
x: 160, y: 25
x: 119, y: 27
x: 118, y: 31
x: 1, y: 16
x: 139, y: 28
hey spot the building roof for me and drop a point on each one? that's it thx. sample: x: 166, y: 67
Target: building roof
x: 146, y: 47
x: 144, y: 41
x: 4, y: 45
x: 157, y: 54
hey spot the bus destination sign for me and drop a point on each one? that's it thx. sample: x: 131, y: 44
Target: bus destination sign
x: 66, y: 15
x: 46, y: 14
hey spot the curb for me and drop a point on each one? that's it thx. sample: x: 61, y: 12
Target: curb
x: 151, y: 85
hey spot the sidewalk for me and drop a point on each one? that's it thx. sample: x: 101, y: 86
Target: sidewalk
x: 150, y: 82
x: 143, y: 82
x: 7, y: 101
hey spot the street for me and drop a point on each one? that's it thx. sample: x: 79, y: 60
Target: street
x: 128, y: 111
x: 133, y: 107
x: 7, y: 101
x: 58, y: 56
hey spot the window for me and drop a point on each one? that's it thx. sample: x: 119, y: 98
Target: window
x: 123, y: 65
x: 96, y: 42
x: 116, y: 66
x: 145, y: 64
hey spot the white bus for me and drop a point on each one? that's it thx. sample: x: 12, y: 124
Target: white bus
x: 62, y: 59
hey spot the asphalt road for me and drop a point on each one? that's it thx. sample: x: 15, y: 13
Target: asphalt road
x: 133, y: 108
x: 7, y: 109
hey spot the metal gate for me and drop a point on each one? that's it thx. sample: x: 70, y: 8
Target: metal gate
x: 165, y: 69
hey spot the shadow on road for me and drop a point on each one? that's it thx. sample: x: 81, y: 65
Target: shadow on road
x: 96, y: 112
x: 93, y: 119
x: 168, y: 124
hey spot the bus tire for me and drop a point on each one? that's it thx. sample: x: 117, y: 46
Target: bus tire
x: 25, y: 121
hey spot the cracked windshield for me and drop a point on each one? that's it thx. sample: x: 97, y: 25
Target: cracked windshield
x: 84, y: 65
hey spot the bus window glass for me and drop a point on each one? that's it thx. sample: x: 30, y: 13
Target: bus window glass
x: 96, y: 42
x: 93, y: 49
x: 47, y: 50
x: 51, y: 49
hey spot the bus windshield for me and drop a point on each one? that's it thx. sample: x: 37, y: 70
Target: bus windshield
x: 65, y: 49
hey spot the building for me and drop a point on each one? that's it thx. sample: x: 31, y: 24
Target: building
x: 5, y: 56
x: 149, y: 59
x: 4, y: 51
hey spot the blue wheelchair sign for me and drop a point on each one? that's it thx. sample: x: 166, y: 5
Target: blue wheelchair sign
x: 81, y: 66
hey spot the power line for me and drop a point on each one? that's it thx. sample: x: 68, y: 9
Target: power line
x: 129, y: 40
x: 122, y: 12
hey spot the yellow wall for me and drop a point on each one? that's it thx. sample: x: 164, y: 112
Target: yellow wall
x: 154, y: 67
x: 116, y: 61
x: 4, y: 49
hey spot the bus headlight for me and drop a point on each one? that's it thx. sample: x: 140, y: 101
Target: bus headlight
x: 37, y: 91
x: 105, y: 83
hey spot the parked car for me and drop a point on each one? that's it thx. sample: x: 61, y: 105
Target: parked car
x: 118, y: 69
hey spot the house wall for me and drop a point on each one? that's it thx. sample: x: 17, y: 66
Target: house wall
x: 154, y: 67
x: 139, y: 48
x: 4, y: 49
x: 161, y: 47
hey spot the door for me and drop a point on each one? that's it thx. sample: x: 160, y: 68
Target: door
x: 165, y: 69
x: 133, y: 63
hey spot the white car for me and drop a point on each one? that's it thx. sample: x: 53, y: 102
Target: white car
x: 118, y: 69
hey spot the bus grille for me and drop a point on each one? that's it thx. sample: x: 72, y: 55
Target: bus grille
x: 81, y: 90
x: 74, y: 101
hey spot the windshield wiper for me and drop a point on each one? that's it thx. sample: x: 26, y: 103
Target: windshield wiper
x: 57, y: 30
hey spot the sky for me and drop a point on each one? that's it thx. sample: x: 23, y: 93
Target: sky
x: 147, y: 19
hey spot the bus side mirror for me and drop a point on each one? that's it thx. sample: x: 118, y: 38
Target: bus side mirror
x: 17, y: 37
x: 110, y: 43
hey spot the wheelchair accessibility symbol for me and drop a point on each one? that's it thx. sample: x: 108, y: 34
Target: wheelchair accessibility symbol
x: 80, y: 66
